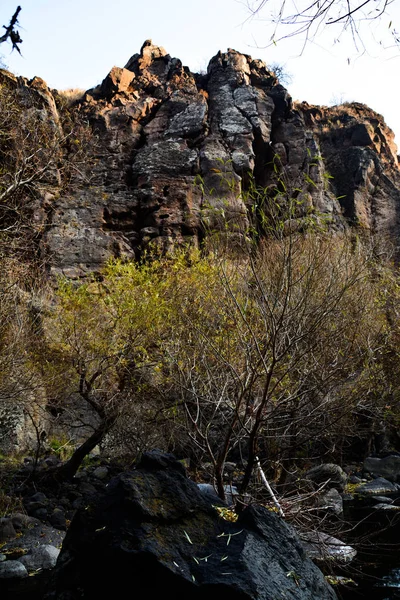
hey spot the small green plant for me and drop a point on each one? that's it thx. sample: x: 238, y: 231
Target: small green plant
x: 337, y: 580
x: 62, y: 447
x: 351, y: 488
x: 226, y: 513
x: 293, y: 575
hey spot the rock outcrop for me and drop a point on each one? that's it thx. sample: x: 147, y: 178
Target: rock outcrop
x: 155, y: 533
x: 329, y: 475
x: 361, y: 157
x: 171, y: 155
x: 387, y: 467
x: 178, y: 150
x: 174, y: 153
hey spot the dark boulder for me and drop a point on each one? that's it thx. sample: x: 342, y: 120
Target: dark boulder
x: 154, y: 532
x: 387, y: 467
x: 378, y: 486
x: 327, y: 549
x: 329, y: 475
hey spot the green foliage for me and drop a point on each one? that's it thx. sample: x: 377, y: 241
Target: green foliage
x: 16, y: 324
x: 62, y: 447
x: 286, y: 341
x: 106, y: 330
x: 273, y: 348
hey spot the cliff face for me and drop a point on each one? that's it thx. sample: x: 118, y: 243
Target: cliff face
x: 361, y: 156
x: 172, y: 149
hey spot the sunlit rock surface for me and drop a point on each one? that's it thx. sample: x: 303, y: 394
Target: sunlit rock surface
x: 175, y: 154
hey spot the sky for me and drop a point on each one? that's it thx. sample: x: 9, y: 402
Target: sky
x: 75, y: 43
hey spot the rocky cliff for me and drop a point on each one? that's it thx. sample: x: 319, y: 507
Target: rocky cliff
x: 172, y: 150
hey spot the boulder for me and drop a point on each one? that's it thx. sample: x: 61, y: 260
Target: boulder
x: 42, y: 557
x: 332, y: 502
x: 57, y: 519
x: 21, y: 521
x: 12, y: 569
x: 32, y: 534
x: 383, y: 499
x: 100, y: 473
x: 326, y: 548
x: 328, y: 474
x: 387, y: 467
x: 34, y: 552
x: 7, y: 531
x: 386, y: 507
x: 208, y: 490
x: 378, y: 486
x: 155, y: 532
x: 38, y: 500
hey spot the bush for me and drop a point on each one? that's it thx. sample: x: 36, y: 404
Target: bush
x: 272, y: 352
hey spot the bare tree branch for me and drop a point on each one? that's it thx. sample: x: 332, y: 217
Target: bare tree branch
x: 12, y: 33
x: 305, y: 19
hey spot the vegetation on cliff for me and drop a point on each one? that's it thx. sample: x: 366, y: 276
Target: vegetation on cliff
x: 285, y: 351
x: 275, y: 339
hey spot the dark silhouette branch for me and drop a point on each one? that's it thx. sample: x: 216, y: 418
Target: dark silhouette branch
x: 12, y: 33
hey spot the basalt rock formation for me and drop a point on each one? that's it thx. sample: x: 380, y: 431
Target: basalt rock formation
x: 361, y: 156
x: 173, y: 151
x: 154, y: 533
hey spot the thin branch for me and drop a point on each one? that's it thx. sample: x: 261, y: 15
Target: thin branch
x: 12, y: 33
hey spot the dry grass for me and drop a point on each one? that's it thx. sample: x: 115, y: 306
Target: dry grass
x: 72, y: 95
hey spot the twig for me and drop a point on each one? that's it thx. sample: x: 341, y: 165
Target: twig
x: 266, y: 483
x: 12, y: 33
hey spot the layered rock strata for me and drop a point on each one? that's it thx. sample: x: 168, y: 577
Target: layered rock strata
x: 175, y: 154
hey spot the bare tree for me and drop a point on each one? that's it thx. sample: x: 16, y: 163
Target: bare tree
x: 308, y: 19
x: 272, y: 361
x: 275, y: 341
x: 264, y: 355
x: 43, y: 148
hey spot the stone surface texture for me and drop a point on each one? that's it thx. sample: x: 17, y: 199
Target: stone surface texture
x: 175, y: 153
x: 387, y: 467
x: 378, y: 486
x: 328, y: 475
x: 361, y: 157
x: 42, y: 557
x: 325, y: 548
x: 153, y: 529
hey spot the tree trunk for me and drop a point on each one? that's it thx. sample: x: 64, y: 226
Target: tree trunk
x: 251, y: 459
x: 69, y: 469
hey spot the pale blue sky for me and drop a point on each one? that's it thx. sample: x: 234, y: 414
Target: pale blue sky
x: 74, y: 43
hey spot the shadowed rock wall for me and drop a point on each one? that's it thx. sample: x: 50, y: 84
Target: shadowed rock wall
x: 173, y: 150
